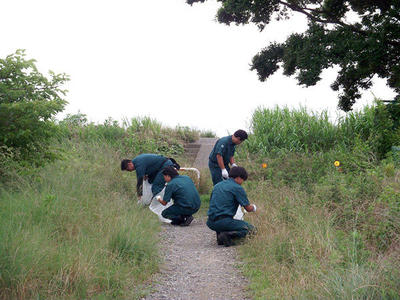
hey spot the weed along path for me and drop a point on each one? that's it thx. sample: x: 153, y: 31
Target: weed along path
x: 194, y: 266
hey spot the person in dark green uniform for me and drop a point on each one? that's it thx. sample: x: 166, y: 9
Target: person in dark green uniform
x: 184, y: 193
x: 222, y: 155
x: 148, y: 166
x: 225, y: 200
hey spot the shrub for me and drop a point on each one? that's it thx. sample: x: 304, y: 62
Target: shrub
x: 28, y: 102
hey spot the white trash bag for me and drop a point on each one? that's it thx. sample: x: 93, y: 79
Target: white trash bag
x: 239, y: 214
x: 155, y: 206
x: 147, y: 195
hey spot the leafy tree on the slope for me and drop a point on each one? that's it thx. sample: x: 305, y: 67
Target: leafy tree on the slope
x: 28, y: 102
x: 361, y: 37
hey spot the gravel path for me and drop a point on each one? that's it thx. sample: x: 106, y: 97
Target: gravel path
x: 195, y: 267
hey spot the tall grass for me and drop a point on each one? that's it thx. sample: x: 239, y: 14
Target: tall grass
x: 330, y: 244
x: 72, y: 230
x: 292, y: 130
x: 283, y: 130
x: 323, y: 231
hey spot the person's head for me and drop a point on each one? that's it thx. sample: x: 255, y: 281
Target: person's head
x: 239, y: 174
x: 127, y: 165
x: 169, y: 173
x: 239, y: 136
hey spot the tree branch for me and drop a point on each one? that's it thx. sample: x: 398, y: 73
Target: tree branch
x: 304, y: 10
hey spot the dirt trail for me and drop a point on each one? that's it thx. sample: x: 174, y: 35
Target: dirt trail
x: 195, y: 267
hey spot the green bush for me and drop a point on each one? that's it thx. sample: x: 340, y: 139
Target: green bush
x: 28, y: 102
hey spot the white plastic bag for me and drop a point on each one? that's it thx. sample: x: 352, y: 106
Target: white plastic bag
x: 155, y: 206
x: 239, y: 214
x: 147, y: 194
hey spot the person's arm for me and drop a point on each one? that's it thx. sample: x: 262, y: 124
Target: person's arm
x: 250, y: 208
x: 167, y: 195
x: 241, y: 197
x: 139, y: 186
x: 220, y: 161
x: 224, y: 172
x: 161, y: 200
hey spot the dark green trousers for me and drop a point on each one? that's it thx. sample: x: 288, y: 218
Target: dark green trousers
x: 177, y: 213
x: 216, y: 172
x: 229, y: 224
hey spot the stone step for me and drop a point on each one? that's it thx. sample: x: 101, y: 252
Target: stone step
x: 191, y: 150
x: 192, y: 146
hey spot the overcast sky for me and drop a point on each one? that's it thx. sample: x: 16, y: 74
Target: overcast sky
x: 159, y: 58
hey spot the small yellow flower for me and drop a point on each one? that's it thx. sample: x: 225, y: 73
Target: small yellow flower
x: 264, y: 165
x: 336, y: 163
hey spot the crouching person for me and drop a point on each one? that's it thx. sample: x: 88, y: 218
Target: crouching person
x: 225, y: 199
x: 184, y: 194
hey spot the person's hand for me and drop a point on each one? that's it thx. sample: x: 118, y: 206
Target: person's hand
x: 254, y: 207
x: 158, y: 198
x: 234, y: 165
x: 225, y: 173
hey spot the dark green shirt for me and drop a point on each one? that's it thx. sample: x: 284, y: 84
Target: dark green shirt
x: 224, y: 147
x: 182, y: 189
x: 226, y: 197
x: 148, y: 164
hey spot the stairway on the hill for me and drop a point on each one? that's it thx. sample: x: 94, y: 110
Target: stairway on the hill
x: 191, y: 150
x: 199, y: 151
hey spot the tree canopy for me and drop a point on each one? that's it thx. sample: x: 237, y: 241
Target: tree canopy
x: 28, y: 102
x: 360, y: 37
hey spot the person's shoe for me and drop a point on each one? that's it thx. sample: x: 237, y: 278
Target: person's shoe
x: 219, y: 241
x: 225, y: 239
x: 187, y: 221
x: 175, y: 222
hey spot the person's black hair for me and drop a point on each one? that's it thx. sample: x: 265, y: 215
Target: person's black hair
x: 124, y: 163
x: 238, y: 172
x: 170, y: 171
x: 175, y: 164
x: 241, y: 134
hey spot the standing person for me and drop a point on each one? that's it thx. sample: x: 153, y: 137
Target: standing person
x: 148, y: 166
x: 225, y: 200
x: 184, y: 193
x: 222, y: 155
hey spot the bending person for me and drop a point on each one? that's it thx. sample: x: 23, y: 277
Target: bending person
x: 184, y: 193
x: 222, y: 155
x: 225, y: 200
x: 148, y: 166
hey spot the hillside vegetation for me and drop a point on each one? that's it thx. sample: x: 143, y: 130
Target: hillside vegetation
x: 70, y: 226
x: 326, y: 230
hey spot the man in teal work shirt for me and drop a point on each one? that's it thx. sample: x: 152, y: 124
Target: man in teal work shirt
x: 182, y: 190
x: 148, y: 166
x: 222, y: 155
x: 225, y: 200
